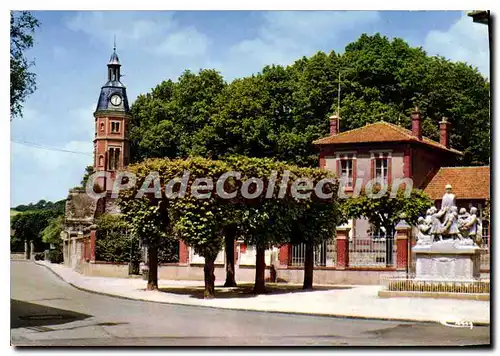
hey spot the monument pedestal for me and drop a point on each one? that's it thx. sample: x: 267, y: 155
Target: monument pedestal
x: 447, y: 261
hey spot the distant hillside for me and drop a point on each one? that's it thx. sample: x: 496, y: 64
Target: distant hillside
x: 58, y: 206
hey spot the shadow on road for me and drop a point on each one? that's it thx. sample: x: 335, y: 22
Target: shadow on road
x: 244, y: 290
x: 25, y: 314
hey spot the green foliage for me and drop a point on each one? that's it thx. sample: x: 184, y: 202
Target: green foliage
x: 89, y: 170
x: 264, y: 220
x: 385, y: 211
x: 16, y: 244
x: 114, y: 243
x: 487, y: 210
x: 169, y: 121
x: 58, y: 207
x: 22, y: 81
x: 55, y: 256
x: 52, y: 233
x: 279, y: 112
x: 28, y: 226
x: 317, y: 218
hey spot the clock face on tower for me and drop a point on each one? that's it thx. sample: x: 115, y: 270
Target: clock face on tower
x: 116, y: 100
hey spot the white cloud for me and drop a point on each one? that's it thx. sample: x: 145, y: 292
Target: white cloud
x: 82, y: 122
x: 187, y: 42
x: 285, y: 36
x: 156, y: 32
x: 313, y: 25
x: 464, y: 41
x: 39, y: 173
x: 127, y: 26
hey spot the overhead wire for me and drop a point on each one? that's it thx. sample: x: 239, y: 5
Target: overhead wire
x: 49, y: 148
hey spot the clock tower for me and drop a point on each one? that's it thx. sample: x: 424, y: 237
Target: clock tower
x: 111, y: 145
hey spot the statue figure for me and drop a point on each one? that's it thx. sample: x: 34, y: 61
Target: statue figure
x: 463, y: 216
x: 423, y: 236
x: 473, y: 227
x: 449, y: 227
x: 436, y: 223
x: 448, y: 198
x: 428, y: 219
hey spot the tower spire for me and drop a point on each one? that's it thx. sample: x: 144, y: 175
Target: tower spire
x: 114, y: 44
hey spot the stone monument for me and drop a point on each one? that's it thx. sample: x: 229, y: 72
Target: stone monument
x: 446, y: 247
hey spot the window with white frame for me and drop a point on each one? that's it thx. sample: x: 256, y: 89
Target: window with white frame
x: 346, y: 172
x: 382, y: 169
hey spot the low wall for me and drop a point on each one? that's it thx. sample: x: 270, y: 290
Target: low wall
x: 17, y: 256
x: 103, y: 269
x: 334, y: 276
x: 246, y: 274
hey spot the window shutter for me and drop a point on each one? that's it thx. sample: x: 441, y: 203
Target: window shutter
x: 354, y: 169
x: 389, y: 171
x: 372, y: 163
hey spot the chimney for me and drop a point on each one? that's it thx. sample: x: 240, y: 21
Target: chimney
x: 416, y: 127
x: 444, y: 132
x: 334, y: 125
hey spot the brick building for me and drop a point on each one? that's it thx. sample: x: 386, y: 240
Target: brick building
x: 385, y: 152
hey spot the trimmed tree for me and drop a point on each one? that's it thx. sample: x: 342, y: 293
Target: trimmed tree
x: 318, y: 215
x: 147, y: 215
x: 199, y: 215
x: 265, y: 218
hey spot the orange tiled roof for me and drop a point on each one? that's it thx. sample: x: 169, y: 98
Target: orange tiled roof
x: 466, y: 182
x: 380, y: 131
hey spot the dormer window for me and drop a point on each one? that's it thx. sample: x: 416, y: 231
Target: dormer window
x: 115, y: 127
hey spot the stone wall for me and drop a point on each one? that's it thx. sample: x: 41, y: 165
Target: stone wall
x: 17, y: 256
x: 246, y: 274
x: 101, y: 269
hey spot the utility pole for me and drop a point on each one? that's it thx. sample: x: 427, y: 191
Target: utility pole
x: 338, y: 98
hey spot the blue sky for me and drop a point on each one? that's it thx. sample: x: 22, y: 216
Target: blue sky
x: 72, y: 49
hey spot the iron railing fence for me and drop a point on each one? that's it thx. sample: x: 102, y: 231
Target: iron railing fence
x: 403, y: 284
x: 485, y: 258
x: 372, y: 251
x: 325, y: 254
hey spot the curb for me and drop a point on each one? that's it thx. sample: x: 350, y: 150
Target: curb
x: 340, y: 316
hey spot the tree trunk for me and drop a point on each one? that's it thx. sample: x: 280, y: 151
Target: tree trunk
x: 308, y: 266
x: 209, y: 275
x: 260, y: 270
x: 229, y: 247
x: 153, y: 268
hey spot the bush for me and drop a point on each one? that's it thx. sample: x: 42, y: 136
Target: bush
x: 55, y: 256
x: 39, y: 256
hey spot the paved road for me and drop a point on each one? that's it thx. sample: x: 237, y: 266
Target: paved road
x: 45, y: 311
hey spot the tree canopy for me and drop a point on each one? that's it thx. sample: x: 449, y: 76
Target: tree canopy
x: 279, y: 111
x: 202, y: 216
x: 22, y: 80
x: 58, y: 206
x: 30, y: 225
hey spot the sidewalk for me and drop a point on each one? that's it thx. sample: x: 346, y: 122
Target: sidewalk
x: 346, y: 301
